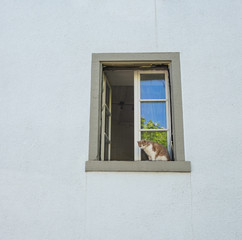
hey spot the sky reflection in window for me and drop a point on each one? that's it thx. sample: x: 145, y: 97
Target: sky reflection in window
x: 152, y: 86
x: 153, y: 115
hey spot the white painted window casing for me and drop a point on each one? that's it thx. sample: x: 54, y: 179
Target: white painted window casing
x: 137, y: 111
x: 106, y: 111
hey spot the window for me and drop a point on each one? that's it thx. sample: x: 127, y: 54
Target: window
x: 134, y: 97
x: 105, y: 147
x: 152, y: 111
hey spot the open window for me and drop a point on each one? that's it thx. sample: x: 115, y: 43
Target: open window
x: 152, y: 111
x: 135, y: 106
x: 134, y: 97
x: 105, y: 147
x: 121, y: 81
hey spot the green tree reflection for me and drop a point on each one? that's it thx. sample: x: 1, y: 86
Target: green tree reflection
x: 159, y: 137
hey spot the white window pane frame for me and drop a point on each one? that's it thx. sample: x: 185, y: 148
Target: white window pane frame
x: 106, y: 108
x: 137, y: 111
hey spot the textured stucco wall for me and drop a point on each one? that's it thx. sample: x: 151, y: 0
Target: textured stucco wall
x: 45, y: 67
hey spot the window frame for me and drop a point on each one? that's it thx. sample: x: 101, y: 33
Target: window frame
x: 106, y: 138
x: 172, y: 59
x: 137, y: 108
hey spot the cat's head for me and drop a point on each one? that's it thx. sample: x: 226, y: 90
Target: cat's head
x: 142, y: 144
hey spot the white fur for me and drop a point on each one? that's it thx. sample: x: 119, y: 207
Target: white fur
x: 163, y: 158
x: 149, y: 151
x: 151, y: 154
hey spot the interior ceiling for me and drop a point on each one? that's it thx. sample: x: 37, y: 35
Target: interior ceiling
x: 121, y: 77
x: 122, y: 85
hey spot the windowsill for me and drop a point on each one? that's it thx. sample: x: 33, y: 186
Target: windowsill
x: 138, y: 166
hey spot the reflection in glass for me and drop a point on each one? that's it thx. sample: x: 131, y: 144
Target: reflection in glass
x: 106, y: 147
x: 152, y: 86
x: 153, y: 115
x: 107, y: 123
x: 107, y: 95
x: 158, y: 137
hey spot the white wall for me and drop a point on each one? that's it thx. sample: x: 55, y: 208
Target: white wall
x: 45, y: 72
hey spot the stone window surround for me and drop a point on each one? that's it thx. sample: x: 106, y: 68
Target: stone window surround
x: 173, y: 60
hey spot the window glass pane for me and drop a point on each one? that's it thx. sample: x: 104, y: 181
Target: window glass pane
x: 153, y: 115
x: 107, y: 95
x: 106, y: 151
x: 159, y: 137
x: 152, y: 86
x: 106, y: 123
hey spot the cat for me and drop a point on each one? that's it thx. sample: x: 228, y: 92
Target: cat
x: 154, y: 151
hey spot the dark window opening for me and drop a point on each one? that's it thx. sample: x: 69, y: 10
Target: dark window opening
x: 122, y: 116
x: 135, y: 106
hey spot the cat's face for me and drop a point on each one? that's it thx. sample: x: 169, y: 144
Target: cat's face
x: 142, y: 144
